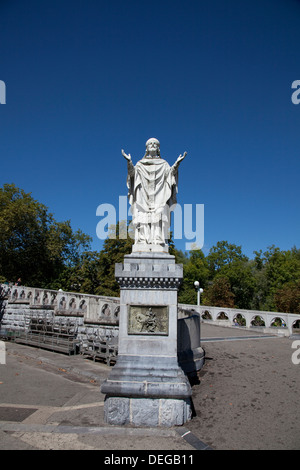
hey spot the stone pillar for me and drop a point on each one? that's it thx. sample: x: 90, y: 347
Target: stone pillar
x: 147, y: 387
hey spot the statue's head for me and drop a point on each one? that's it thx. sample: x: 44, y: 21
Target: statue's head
x: 152, y: 148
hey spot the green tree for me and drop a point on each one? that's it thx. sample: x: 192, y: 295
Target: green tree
x: 240, y: 275
x: 180, y: 257
x: 222, y: 254
x: 194, y: 269
x: 33, y: 245
x: 275, y: 269
x: 287, y: 299
x: 82, y: 277
x: 219, y: 293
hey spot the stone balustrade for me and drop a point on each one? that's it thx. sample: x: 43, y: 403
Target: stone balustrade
x: 92, y: 311
x: 91, y: 316
x: 279, y: 322
x: 92, y: 308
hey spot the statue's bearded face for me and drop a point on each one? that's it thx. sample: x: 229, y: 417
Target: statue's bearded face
x: 152, y: 146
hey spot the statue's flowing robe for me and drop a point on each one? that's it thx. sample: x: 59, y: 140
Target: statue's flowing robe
x: 152, y: 190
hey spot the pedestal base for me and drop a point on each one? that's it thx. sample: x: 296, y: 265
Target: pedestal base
x: 147, y: 387
x: 148, y: 412
x: 147, y: 391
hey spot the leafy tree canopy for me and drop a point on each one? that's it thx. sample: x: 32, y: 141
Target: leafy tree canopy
x: 222, y: 254
x: 33, y: 245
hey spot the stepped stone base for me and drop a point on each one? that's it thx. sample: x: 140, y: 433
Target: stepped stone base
x: 147, y: 391
x: 150, y: 412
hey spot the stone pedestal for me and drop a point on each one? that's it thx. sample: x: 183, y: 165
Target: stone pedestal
x: 147, y: 387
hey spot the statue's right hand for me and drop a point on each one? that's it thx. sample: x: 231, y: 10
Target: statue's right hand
x: 128, y: 157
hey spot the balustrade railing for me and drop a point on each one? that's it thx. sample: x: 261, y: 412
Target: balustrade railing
x: 104, y: 309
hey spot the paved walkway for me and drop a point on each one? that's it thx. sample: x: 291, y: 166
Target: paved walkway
x: 247, y: 398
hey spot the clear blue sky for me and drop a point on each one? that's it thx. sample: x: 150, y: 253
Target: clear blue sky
x: 85, y: 79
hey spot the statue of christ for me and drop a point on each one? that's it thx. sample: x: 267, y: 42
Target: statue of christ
x: 152, y: 189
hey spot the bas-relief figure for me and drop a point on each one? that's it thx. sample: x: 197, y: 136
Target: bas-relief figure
x: 152, y: 190
x: 148, y: 320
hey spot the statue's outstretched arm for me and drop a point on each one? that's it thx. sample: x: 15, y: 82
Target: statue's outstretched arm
x: 128, y: 157
x: 129, y: 162
x: 179, y: 160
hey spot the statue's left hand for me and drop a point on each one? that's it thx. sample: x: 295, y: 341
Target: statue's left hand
x: 128, y: 157
x: 181, y: 157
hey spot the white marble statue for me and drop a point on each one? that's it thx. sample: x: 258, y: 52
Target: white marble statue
x: 152, y: 189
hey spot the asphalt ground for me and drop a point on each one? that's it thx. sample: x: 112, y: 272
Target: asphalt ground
x: 245, y: 398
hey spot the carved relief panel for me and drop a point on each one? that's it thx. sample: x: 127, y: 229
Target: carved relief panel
x: 148, y: 320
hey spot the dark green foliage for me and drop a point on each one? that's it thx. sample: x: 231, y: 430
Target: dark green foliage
x: 33, y: 245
